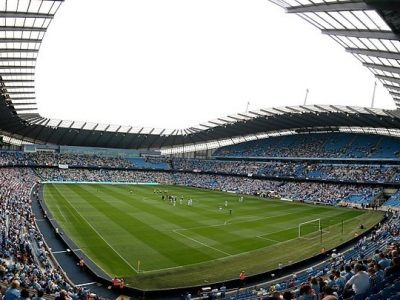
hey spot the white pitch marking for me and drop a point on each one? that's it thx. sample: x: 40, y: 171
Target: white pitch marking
x: 264, y: 238
x: 133, y: 268
x: 201, y: 243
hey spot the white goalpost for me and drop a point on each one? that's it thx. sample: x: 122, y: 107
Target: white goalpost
x: 317, y: 227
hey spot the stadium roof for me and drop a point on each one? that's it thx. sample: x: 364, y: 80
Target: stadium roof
x: 23, y: 24
x: 367, y: 29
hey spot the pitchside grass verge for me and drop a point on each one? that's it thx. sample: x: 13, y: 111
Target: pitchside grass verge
x: 130, y: 232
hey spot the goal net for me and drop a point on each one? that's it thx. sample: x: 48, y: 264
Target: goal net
x: 310, y: 228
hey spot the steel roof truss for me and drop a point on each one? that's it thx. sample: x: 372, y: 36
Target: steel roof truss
x: 329, y: 7
x: 18, y: 50
x: 375, y: 53
x: 382, y: 68
x: 20, y: 14
x: 368, y: 34
x: 2, y: 67
x: 388, y: 78
x: 18, y: 93
x: 22, y: 28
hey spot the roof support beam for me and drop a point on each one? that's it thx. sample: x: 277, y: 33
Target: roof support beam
x: 23, y: 98
x: 16, y: 74
x: 393, y: 87
x: 374, y: 34
x: 25, y: 109
x: 23, y: 103
x: 22, y: 28
x: 17, y: 87
x: 21, y: 14
x: 18, y: 59
x: 330, y: 7
x: 382, y: 68
x: 397, y: 95
x: 16, y: 50
x: 17, y: 80
x: 388, y: 78
x: 19, y: 93
x: 15, y: 67
x: 19, y: 40
x: 374, y: 53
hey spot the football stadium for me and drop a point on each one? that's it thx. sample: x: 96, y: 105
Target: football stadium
x: 285, y: 202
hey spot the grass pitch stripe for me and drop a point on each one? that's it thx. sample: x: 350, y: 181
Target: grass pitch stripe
x: 100, y: 236
x: 153, y: 237
x: 83, y: 234
x: 172, y: 218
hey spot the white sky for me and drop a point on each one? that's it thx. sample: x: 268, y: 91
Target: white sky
x: 178, y: 63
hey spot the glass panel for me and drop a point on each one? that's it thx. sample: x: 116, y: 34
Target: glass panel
x: 368, y: 43
x: 112, y: 128
x: 344, y: 23
x: 379, y: 24
x: 101, y: 127
x: 89, y: 126
x: 357, y: 43
x: 353, y: 18
x: 336, y: 20
x: 77, y: 124
x: 65, y: 124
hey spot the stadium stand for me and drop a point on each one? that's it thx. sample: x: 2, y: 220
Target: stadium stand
x: 321, y: 145
x: 382, y: 173
x: 35, y: 167
x: 142, y: 163
x: 393, y: 202
x: 24, y: 255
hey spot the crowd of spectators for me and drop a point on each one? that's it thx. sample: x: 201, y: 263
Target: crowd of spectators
x: 88, y: 175
x: 333, y: 145
x: 279, y: 169
x: 24, y: 260
x: 301, y: 191
x: 12, y: 158
x: 82, y: 160
x: 50, y: 158
x: 322, y: 171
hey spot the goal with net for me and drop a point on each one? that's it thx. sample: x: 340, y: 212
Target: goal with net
x: 307, y: 228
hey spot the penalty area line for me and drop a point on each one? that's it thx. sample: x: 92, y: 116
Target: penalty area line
x: 201, y: 243
x: 268, y: 239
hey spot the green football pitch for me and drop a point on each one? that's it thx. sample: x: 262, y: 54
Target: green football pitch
x: 130, y: 232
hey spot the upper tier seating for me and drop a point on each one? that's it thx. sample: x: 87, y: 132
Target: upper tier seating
x: 326, y: 145
x: 393, y: 201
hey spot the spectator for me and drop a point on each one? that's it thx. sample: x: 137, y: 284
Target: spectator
x: 13, y: 292
x: 39, y: 295
x: 24, y: 295
x: 358, y: 283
